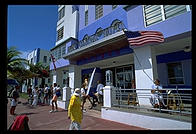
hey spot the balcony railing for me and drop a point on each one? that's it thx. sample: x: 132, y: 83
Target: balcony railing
x: 178, y: 102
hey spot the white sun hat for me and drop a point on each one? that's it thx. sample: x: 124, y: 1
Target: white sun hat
x: 77, y: 92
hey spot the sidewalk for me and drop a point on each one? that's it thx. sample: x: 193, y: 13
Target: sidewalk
x: 41, y: 119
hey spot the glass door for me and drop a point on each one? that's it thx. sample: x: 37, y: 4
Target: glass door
x: 124, y: 75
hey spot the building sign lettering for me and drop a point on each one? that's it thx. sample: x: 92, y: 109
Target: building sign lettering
x: 97, y: 36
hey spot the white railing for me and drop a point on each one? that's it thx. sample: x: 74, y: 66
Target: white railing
x: 178, y: 101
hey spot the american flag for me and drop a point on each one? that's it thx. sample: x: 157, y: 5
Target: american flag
x: 53, y: 61
x: 140, y: 38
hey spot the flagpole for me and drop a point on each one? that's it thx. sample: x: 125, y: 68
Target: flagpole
x: 53, y: 63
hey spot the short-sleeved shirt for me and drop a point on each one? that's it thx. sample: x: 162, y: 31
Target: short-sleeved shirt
x: 34, y: 92
x: 83, y: 92
x: 157, y: 87
x: 100, y: 88
x: 54, y: 90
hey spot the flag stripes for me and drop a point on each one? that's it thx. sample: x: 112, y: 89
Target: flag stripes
x: 140, y: 38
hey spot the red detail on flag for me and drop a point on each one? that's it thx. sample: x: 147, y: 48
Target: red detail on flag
x: 53, y: 61
x: 141, y: 38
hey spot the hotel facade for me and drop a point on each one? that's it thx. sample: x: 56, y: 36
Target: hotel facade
x: 92, y: 36
x: 37, y: 56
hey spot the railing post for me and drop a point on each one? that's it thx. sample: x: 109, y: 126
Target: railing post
x: 107, y: 96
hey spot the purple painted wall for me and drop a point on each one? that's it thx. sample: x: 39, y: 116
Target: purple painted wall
x: 173, y: 26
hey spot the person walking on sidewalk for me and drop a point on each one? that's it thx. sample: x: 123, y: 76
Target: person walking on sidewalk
x: 54, y: 99
x: 29, y: 90
x: 35, y: 96
x: 45, y: 94
x: 50, y: 93
x: 14, y: 101
x: 84, y: 97
x: 74, y: 110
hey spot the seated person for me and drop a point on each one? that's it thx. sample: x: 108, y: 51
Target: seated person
x: 156, y: 97
x: 99, y: 92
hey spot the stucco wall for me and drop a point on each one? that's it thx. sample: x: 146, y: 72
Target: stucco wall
x: 176, y: 25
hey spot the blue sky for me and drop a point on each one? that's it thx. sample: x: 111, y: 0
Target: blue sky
x: 31, y: 26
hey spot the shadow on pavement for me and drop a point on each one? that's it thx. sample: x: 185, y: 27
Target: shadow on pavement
x: 26, y: 113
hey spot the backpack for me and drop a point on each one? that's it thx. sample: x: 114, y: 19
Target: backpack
x: 20, y: 123
x: 58, y: 93
x: 49, y: 91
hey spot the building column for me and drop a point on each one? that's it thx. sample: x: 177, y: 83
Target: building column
x: 74, y: 77
x: 145, y: 72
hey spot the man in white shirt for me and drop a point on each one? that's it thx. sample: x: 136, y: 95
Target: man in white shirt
x: 35, y: 96
x: 46, y: 94
x: 156, y: 96
x: 99, y: 92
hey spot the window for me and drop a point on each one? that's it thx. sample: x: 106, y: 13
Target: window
x: 157, y: 13
x: 60, y: 33
x: 152, y: 14
x: 173, y: 10
x: 98, y: 11
x: 59, y: 53
x: 55, y: 54
x: 61, y: 13
x: 175, y: 74
x: 45, y: 59
x: 86, y: 17
x: 63, y: 50
x: 114, y: 6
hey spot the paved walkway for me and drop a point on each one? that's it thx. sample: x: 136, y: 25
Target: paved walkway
x: 41, y: 119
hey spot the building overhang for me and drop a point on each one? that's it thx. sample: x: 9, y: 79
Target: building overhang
x: 61, y: 42
x: 112, y: 42
x: 60, y: 63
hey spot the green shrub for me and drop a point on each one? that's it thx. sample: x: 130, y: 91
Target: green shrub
x: 24, y: 95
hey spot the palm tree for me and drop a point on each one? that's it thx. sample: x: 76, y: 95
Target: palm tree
x: 40, y: 70
x: 14, y: 61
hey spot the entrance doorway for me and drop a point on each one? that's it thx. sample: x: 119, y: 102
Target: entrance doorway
x: 123, y: 76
